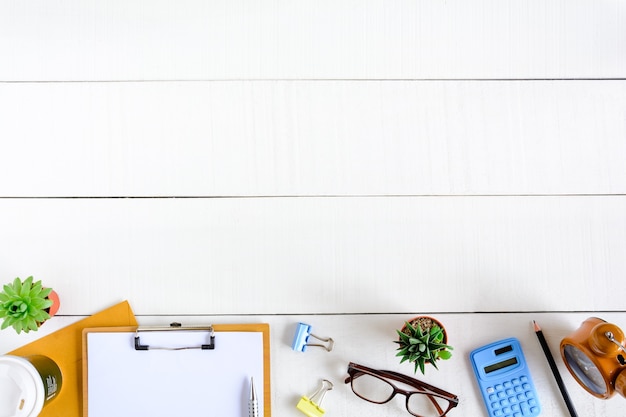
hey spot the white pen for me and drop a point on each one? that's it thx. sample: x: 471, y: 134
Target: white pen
x: 253, y: 409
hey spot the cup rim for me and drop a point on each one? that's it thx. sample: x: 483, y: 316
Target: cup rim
x: 36, y: 388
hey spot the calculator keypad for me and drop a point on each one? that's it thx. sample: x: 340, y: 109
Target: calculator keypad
x: 514, y: 398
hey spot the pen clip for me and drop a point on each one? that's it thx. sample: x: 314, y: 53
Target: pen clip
x: 253, y: 410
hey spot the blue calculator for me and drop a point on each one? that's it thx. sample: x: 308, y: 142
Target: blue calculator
x: 504, y: 379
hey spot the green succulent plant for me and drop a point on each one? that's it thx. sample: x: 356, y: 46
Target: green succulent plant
x: 23, y: 305
x: 421, y: 346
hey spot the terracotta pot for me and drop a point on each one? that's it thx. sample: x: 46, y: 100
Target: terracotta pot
x: 430, y: 319
x: 56, y: 303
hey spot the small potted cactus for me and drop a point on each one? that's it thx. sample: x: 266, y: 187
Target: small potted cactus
x: 25, y: 305
x: 421, y: 341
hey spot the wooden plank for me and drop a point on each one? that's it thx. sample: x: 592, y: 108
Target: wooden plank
x: 246, y: 138
x: 367, y: 340
x: 321, y: 255
x: 68, y: 40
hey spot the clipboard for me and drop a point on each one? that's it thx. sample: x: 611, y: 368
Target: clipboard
x: 131, y: 371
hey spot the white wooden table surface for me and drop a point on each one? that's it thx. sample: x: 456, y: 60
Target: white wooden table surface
x: 367, y: 339
x: 267, y: 160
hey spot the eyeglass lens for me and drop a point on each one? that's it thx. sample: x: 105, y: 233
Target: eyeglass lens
x: 378, y: 390
x: 372, y: 388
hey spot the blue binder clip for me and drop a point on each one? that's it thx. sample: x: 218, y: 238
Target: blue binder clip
x: 301, y: 338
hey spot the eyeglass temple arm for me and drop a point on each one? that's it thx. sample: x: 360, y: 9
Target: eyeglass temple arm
x: 423, y: 385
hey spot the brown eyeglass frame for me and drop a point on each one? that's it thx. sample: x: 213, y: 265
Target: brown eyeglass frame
x: 356, y: 370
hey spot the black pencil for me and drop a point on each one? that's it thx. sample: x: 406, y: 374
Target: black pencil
x: 555, y: 371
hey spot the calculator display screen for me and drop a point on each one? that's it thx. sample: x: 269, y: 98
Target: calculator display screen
x: 502, y: 350
x: 500, y: 365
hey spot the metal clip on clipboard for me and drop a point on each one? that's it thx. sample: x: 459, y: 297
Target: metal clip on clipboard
x: 175, y: 326
x: 301, y: 338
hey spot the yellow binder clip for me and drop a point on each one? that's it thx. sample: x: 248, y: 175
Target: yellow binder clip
x: 311, y: 405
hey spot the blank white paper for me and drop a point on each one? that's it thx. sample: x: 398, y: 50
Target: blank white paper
x: 123, y: 382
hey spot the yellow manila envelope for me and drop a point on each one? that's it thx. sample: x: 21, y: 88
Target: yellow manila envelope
x: 65, y: 348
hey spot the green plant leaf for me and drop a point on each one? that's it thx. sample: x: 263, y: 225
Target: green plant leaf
x: 421, y: 367
x: 25, y: 287
x: 38, y: 303
x: 438, y: 346
x: 45, y: 292
x: 445, y: 355
x: 37, y: 289
x: 436, y: 333
x: 403, y: 352
x: 18, y: 326
x: 9, y: 291
x: 6, y: 323
x: 408, y: 326
x: 403, y: 337
x: 17, y: 286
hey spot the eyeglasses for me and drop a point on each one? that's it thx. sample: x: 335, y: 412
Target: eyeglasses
x: 376, y: 387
